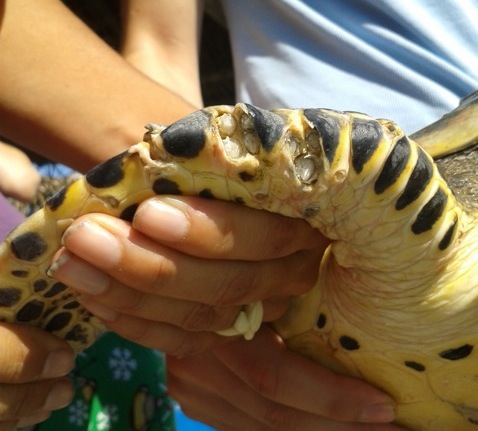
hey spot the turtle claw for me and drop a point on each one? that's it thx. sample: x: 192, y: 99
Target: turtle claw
x: 247, y: 322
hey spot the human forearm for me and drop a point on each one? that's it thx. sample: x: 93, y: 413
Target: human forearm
x: 161, y: 38
x: 61, y: 87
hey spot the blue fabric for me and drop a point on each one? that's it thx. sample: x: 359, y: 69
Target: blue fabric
x: 183, y: 423
x: 54, y: 170
x: 409, y: 61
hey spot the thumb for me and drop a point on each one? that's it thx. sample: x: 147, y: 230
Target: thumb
x: 30, y: 354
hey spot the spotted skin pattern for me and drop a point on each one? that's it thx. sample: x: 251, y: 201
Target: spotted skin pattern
x: 396, y: 301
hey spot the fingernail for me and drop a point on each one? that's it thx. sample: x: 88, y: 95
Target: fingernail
x: 163, y: 219
x: 60, y: 261
x: 79, y: 275
x: 93, y: 243
x: 378, y: 413
x: 58, y: 364
x: 60, y: 396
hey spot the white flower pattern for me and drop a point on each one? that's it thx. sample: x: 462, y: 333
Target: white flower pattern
x: 78, y: 413
x: 106, y: 418
x: 122, y: 364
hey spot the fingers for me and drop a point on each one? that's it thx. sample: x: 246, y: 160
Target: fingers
x: 166, y: 272
x: 33, y: 366
x: 232, y: 231
x: 31, y: 420
x: 30, y: 354
x: 153, y: 320
x: 128, y: 278
x: 272, y: 370
x: 112, y: 246
x: 209, y: 391
x: 31, y: 399
x: 198, y: 403
x: 19, y: 178
x: 160, y: 322
x: 186, y: 313
x: 181, y: 289
x: 214, y: 410
x: 162, y: 336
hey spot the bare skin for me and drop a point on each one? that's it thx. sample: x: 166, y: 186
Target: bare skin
x: 260, y: 385
x: 169, y: 308
x: 75, y: 107
x: 19, y: 179
x: 33, y: 375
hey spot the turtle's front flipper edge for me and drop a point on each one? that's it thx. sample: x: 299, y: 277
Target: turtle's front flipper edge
x: 453, y: 132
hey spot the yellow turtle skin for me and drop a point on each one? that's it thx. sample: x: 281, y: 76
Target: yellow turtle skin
x: 396, y: 302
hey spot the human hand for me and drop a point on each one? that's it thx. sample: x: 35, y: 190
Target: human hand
x: 19, y: 179
x: 33, y: 369
x: 261, y: 385
x: 187, y: 268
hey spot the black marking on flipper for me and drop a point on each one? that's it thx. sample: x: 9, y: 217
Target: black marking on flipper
x: 366, y: 136
x: 349, y: 343
x: 57, y: 199
x: 107, y: 174
x: 206, y: 194
x: 457, y: 353
x: 394, y: 165
x: 9, y: 296
x: 19, y: 273
x: 186, y: 137
x: 310, y: 212
x: 268, y: 126
x: 419, y: 179
x: 430, y: 213
x: 28, y: 246
x: 239, y: 200
x: 321, y: 321
x: 55, y: 290
x: 163, y: 186
x: 447, y: 238
x: 128, y: 213
x: 328, y: 128
x: 71, y: 305
x: 415, y: 366
x: 58, y: 322
x: 246, y: 176
x: 30, y: 312
x: 78, y: 334
x: 40, y: 285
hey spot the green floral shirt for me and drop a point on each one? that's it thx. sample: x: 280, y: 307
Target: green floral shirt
x: 120, y: 386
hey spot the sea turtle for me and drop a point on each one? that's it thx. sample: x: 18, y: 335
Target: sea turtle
x: 396, y: 302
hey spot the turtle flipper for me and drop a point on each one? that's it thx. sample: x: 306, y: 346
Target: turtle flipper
x: 453, y: 132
